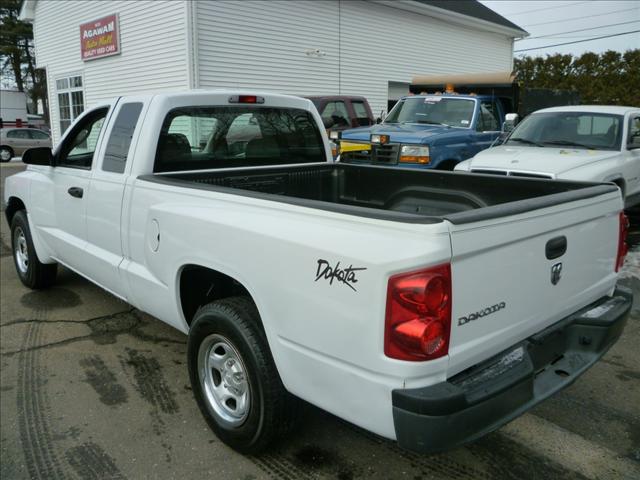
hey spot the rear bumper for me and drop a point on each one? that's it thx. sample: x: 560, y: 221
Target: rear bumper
x: 486, y: 396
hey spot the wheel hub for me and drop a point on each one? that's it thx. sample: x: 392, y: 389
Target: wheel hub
x: 20, y: 250
x: 223, y: 380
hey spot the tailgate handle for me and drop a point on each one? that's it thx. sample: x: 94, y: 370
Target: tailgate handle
x: 556, y: 247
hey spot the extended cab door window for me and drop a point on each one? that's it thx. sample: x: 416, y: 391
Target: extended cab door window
x: 78, y: 148
x: 115, y: 156
x: 633, y: 141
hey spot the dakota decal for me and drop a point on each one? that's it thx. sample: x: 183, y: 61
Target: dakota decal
x: 346, y: 276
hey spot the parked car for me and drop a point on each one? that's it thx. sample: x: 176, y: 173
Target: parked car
x: 340, y: 112
x: 588, y: 143
x: 15, y: 141
x: 427, y: 307
x: 427, y: 132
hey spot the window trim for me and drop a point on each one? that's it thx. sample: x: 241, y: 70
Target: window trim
x: 63, y: 144
x: 68, y: 92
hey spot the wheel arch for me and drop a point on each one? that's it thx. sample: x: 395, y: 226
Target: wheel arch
x: 447, y: 164
x: 14, y: 205
x: 197, y: 285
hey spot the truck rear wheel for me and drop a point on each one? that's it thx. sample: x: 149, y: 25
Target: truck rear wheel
x: 234, y: 377
x: 32, y: 272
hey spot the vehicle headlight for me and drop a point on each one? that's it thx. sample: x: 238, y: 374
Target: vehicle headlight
x: 414, y: 154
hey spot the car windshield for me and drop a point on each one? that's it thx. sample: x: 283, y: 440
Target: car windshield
x: 595, y: 131
x: 433, y: 110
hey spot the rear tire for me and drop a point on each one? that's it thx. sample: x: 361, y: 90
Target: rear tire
x: 32, y: 273
x: 6, y: 154
x: 234, y: 377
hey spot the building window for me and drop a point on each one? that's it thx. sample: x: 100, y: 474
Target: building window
x: 70, y: 100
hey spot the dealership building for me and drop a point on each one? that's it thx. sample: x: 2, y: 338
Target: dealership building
x: 95, y: 50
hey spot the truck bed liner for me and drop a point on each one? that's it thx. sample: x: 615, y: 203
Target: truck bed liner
x: 402, y: 195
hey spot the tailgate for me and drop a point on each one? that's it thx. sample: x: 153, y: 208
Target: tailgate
x: 505, y: 288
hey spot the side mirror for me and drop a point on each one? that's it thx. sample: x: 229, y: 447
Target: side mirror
x: 334, y: 135
x: 510, y: 122
x: 378, y: 120
x: 328, y: 123
x: 634, y: 143
x: 38, y: 156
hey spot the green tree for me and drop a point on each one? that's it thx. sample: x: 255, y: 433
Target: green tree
x: 17, y: 61
x: 609, y: 78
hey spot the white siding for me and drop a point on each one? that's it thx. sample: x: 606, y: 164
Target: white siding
x: 262, y: 44
x: 153, y: 45
x: 381, y: 44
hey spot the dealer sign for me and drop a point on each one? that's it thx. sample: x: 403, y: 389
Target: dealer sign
x: 100, y: 38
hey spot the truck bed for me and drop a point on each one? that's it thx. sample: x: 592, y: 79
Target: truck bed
x: 403, y: 195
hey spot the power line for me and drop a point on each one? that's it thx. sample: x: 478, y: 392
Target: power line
x: 577, y: 41
x: 580, y: 18
x: 545, y: 8
x: 575, y: 31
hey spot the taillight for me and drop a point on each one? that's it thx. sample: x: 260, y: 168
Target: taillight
x: 418, y: 318
x: 623, y: 248
x: 246, y: 99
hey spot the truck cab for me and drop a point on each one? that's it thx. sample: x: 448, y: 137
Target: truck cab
x: 427, y: 131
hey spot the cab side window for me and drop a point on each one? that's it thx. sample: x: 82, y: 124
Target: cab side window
x: 634, y: 132
x: 489, y: 120
x: 79, y: 147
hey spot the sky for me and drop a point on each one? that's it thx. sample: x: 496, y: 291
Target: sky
x: 558, y: 21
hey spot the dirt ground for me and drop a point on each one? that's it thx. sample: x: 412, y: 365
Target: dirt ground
x: 91, y: 388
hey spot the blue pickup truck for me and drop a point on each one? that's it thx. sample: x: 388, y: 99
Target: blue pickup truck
x: 427, y: 131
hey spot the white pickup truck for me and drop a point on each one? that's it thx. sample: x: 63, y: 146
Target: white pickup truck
x: 428, y: 307
x: 587, y: 143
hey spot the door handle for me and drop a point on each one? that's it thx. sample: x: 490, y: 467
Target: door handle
x: 556, y: 247
x: 76, y: 192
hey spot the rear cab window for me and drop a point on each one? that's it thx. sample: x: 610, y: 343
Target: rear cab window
x: 362, y: 116
x: 195, y: 138
x: 336, y: 112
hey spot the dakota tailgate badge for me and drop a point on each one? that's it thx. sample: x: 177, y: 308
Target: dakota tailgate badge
x: 481, y: 313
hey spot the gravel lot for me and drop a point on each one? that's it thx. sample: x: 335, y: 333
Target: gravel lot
x: 93, y: 389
